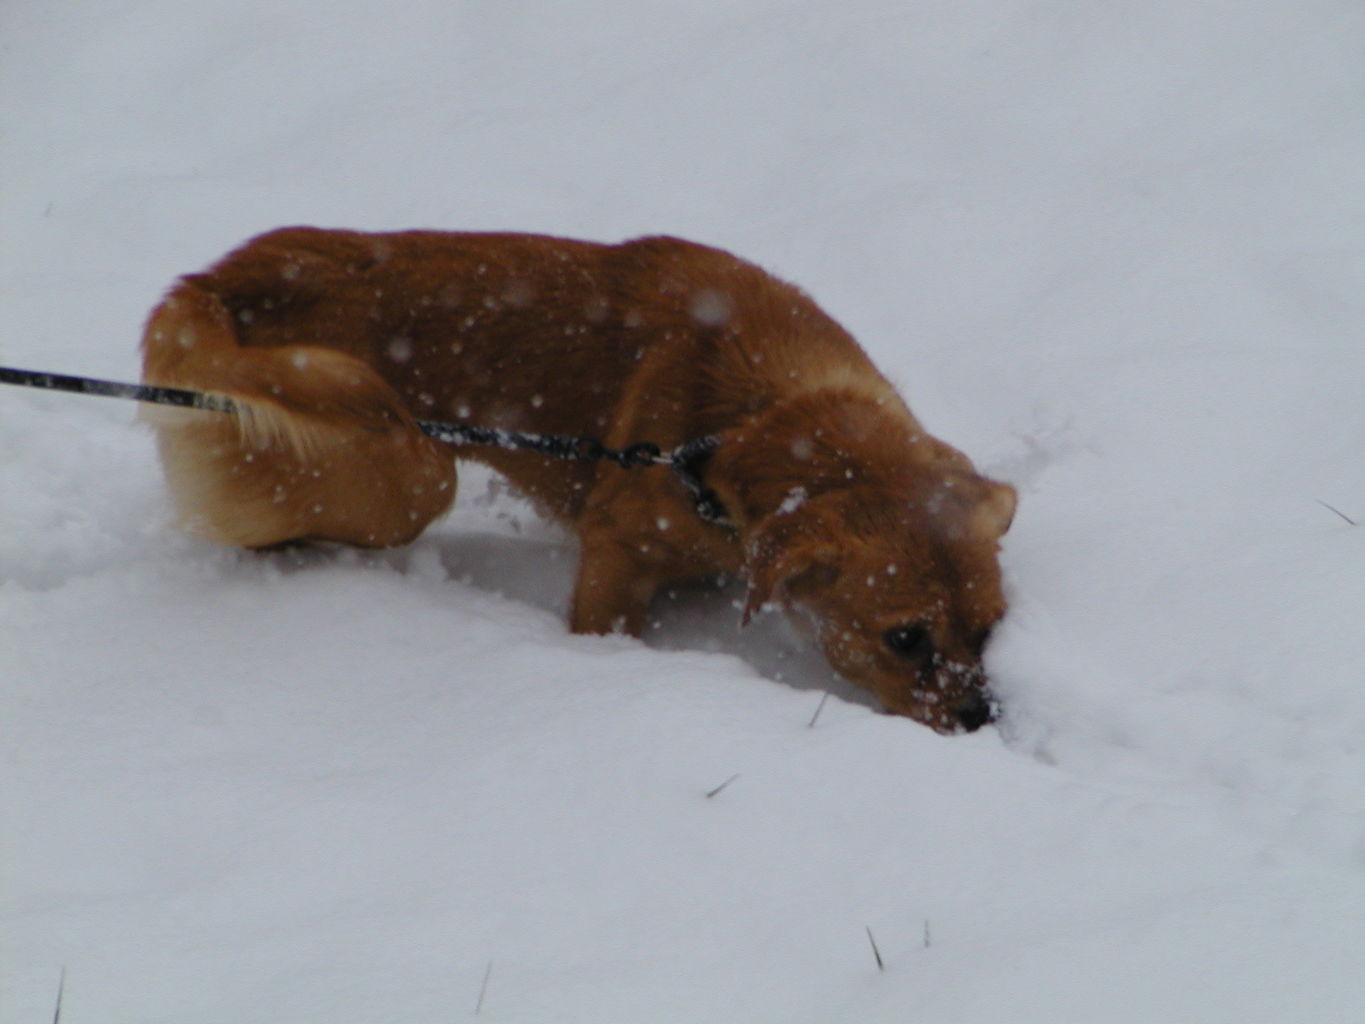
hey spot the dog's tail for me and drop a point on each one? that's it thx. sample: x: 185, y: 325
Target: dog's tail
x: 320, y: 447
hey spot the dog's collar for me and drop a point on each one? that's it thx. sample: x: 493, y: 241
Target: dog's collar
x: 688, y: 462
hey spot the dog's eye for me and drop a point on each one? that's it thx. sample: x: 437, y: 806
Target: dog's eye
x: 908, y: 641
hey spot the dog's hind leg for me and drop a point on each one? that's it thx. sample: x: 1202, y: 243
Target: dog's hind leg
x: 320, y: 447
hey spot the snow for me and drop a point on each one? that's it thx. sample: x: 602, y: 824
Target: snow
x: 1112, y: 251
x: 795, y: 498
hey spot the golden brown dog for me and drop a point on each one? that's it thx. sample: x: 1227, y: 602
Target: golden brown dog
x: 333, y: 343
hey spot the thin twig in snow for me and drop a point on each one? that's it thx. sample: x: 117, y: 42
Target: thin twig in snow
x: 875, y: 951
x: 1338, y: 511
x: 820, y: 707
x: 483, y: 989
x: 61, y: 990
x: 721, y: 786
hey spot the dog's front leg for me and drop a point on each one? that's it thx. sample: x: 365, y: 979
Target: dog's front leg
x: 615, y: 586
x: 638, y: 533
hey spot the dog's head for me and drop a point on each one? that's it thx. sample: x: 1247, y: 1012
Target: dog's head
x: 903, y: 590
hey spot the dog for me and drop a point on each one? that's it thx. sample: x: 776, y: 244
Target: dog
x: 838, y: 504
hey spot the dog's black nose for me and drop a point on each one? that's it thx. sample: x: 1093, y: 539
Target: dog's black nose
x: 976, y: 712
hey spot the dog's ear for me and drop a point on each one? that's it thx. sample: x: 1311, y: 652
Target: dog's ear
x: 993, y: 514
x: 785, y: 555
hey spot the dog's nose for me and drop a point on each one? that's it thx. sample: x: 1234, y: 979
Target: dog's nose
x: 976, y: 712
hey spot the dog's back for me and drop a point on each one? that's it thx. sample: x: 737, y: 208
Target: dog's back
x: 334, y: 341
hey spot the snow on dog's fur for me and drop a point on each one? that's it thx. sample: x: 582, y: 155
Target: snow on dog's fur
x: 333, y: 343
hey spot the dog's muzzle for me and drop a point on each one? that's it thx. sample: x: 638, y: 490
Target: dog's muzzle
x: 976, y: 711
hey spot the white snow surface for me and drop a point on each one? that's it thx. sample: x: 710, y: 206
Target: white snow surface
x: 1114, y: 251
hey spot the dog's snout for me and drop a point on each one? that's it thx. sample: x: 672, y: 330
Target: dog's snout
x: 976, y: 712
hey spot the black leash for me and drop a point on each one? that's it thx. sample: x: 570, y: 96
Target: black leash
x: 115, y: 389
x: 686, y: 461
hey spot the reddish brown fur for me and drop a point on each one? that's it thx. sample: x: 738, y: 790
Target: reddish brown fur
x: 333, y: 342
